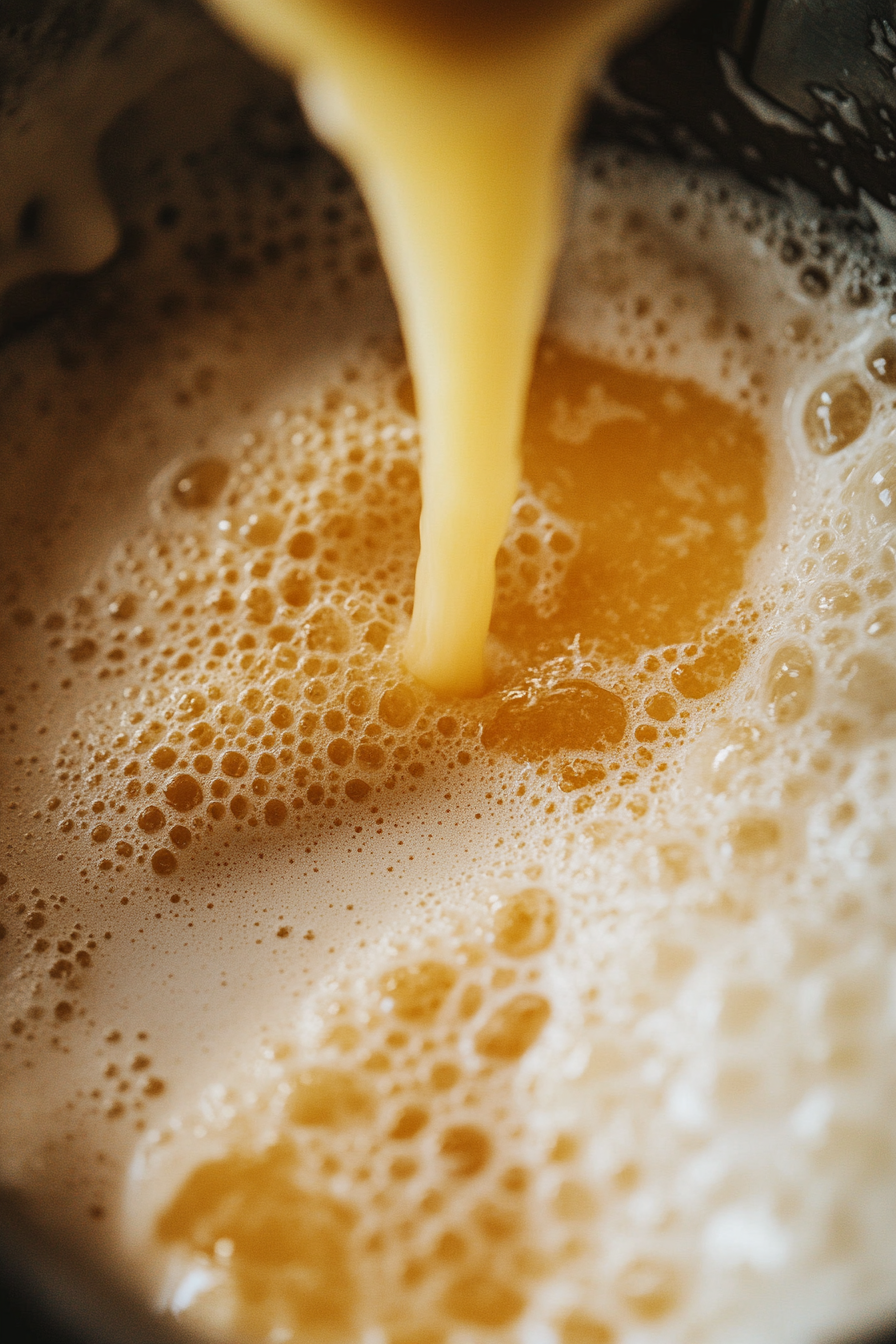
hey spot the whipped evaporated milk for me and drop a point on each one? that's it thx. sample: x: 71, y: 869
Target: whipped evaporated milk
x: 336, y: 1009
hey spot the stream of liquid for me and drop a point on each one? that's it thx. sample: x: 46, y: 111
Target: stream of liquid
x: 454, y: 119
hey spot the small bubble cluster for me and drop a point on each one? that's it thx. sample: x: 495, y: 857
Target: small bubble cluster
x: 396, y: 1185
x: 256, y: 628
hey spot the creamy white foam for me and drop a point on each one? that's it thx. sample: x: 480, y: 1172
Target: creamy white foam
x: 698, y: 1128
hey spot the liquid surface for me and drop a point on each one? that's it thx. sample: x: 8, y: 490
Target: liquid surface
x: 454, y: 121
x: 334, y: 1007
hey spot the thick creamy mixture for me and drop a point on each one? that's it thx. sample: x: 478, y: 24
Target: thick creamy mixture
x: 336, y: 1009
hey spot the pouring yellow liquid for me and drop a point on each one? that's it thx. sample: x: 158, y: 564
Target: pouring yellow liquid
x: 454, y: 119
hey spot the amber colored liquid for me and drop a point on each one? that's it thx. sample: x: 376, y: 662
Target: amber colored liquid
x: 663, y: 485
x: 666, y: 482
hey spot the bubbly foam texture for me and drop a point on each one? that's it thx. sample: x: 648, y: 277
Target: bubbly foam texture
x: 563, y: 1013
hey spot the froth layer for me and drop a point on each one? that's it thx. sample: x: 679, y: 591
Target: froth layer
x: 608, y: 1050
